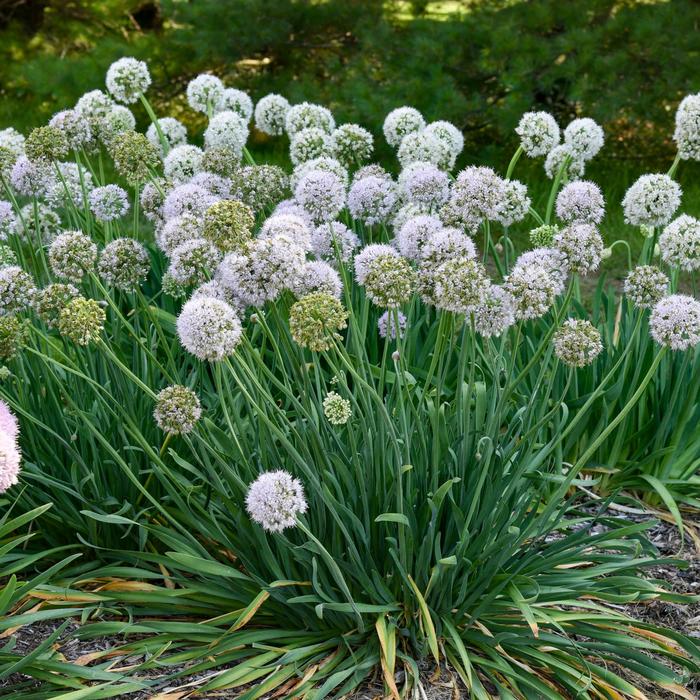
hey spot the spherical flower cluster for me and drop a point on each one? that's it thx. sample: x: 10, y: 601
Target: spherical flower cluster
x: 135, y: 157
x: 495, y: 312
x: 329, y: 237
x: 182, y: 163
x: 370, y: 253
x: 227, y: 130
x: 13, y: 335
x: 94, y: 104
x: 260, y: 186
x: 216, y: 290
x: 72, y: 255
x: 413, y: 235
x: 274, y: 500
x: 32, y: 179
x: 69, y: 187
x: 386, y: 324
x: 329, y: 165
x: 477, y: 194
x: 12, y: 141
x: 515, y: 204
x: 532, y: 289
x: 204, y: 93
x: 193, y: 262
x: 581, y: 201
x: 321, y: 194
x: 446, y: 244
x: 214, y: 184
x: 306, y: 116
x: 8, y: 220
x: 317, y: 276
x: 675, y: 322
x: 336, y: 409
x: 177, y: 230
x: 352, y: 144
x: 234, y: 100
x: 187, y: 199
x: 373, y: 169
x: 52, y: 299
x: 46, y: 143
x: 577, y: 343
x: 221, y: 161
x: 562, y: 158
x: 173, y: 131
x: 271, y: 114
x: 10, y: 456
x: 117, y: 121
x: 152, y: 199
x: 290, y: 225
x: 584, y: 138
x: 372, y: 199
x: 177, y: 410
x: 109, y: 202
x: 400, y: 122
x: 309, y: 143
x: 449, y: 135
x: 17, y: 290
x: 76, y: 129
x: 582, y: 245
x: 128, y: 79
x: 314, y: 321
x: 43, y: 222
x: 389, y: 281
x: 538, y: 132
x: 543, y: 236
x: 424, y: 147
x: 680, y: 243
x: 291, y: 206
x: 82, y: 321
x: 460, y: 285
x: 209, y: 328
x: 646, y: 285
x: 552, y: 260
x: 687, y: 131
x: 8, y: 421
x: 8, y: 257
x: 651, y: 201
x: 228, y: 225
x: 425, y: 185
x: 124, y: 264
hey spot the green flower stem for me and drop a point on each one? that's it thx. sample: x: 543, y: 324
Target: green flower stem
x: 513, y: 161
x: 154, y: 120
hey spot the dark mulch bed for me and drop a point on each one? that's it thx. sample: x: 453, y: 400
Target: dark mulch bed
x: 442, y: 686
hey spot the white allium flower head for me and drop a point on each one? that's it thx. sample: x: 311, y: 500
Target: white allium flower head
x: 274, y: 499
x: 406, y: 212
x: 12, y: 140
x: 373, y: 170
x: 687, y: 131
x: 424, y: 146
x: 495, y: 313
x: 209, y: 328
x: 109, y: 202
x: 555, y: 160
x: 646, y: 285
x: 413, y: 235
x: 680, y: 243
x: 336, y: 409
x: 330, y: 165
x: 152, y: 200
x: 308, y: 144
x: 234, y: 100
x: 8, y: 421
x: 8, y: 220
x: 290, y: 225
x: 77, y: 129
x: 325, y: 238
x: 675, y: 322
x: 94, y: 104
x: 227, y: 130
x: 322, y: 194
x: 370, y: 253
x: 194, y: 261
x: 449, y: 135
x: 577, y: 342
x: 477, y: 193
x: 552, y: 260
x: 386, y: 324
x: 582, y: 245
x: 425, y: 185
x: 10, y: 460
x: 182, y: 163
x: 32, y: 179
x: 271, y: 114
x: 372, y: 200
x: 72, y: 255
x: 173, y: 131
x: 318, y: 276
x: 214, y: 184
x: 291, y: 206
x: 69, y: 186
x: 515, y: 204
x: 389, y: 281
x: 116, y: 121
x: 308, y: 116
x: 352, y: 144
x: 539, y: 133
x: 652, y: 200
x: 124, y: 264
x: 215, y: 288
x: 17, y: 290
x: 460, y: 285
x: 584, y: 137
x: 179, y: 229
x: 400, y: 122
x: 581, y: 201
x: 127, y: 79
x: 532, y: 289
x: 186, y: 199
x: 204, y: 93
x: 445, y: 244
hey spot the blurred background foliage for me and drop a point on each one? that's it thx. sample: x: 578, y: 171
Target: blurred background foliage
x: 478, y: 63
